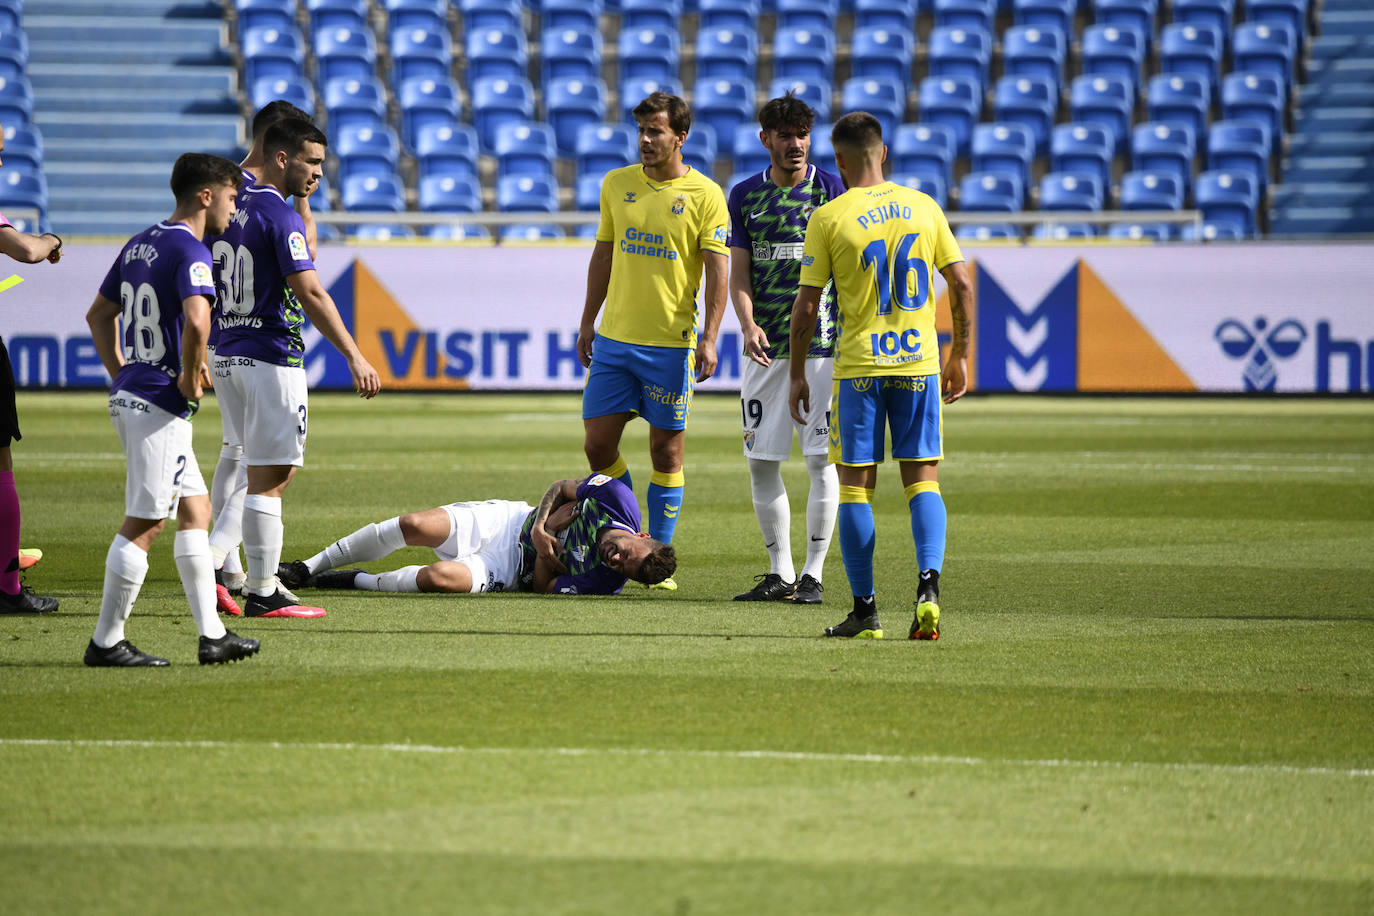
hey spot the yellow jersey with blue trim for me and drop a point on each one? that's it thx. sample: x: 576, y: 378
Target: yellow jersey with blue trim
x: 659, y: 230
x: 882, y: 245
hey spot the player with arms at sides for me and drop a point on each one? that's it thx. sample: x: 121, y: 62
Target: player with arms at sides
x: 768, y: 216
x: 15, y: 598
x: 267, y: 287
x: 582, y: 539
x: 161, y: 285
x: 661, y: 222
x: 880, y: 242
x: 229, y: 484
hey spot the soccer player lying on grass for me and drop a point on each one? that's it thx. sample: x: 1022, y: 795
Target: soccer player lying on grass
x: 584, y: 538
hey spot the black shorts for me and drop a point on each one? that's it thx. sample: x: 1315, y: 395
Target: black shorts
x: 9, y: 416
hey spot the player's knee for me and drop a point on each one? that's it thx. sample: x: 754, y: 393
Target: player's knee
x: 412, y: 525
x: 443, y: 577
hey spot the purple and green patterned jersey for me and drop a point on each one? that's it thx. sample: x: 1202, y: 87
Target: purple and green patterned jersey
x: 770, y: 223
x: 155, y: 271
x: 249, y: 179
x: 602, y: 502
x: 259, y: 316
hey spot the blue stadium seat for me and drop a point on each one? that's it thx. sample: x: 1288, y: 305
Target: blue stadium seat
x: 530, y: 232
x: 1260, y: 96
x: 1063, y: 232
x: 749, y: 154
x: 882, y: 54
x: 1007, y: 148
x: 421, y: 53
x: 699, y: 151
x: 602, y: 147
x: 272, y: 53
x: 587, y: 196
x: 20, y: 187
x: 723, y: 104
x: 884, y: 99
x: 496, y: 101
x: 814, y: 93
x: 925, y: 149
x: 635, y: 90
x: 1029, y: 100
x: 817, y: 15
x: 1106, y: 100
x: 648, y: 54
x: 1214, y: 13
x: 1180, y: 98
x: 1071, y: 191
x: 527, y: 192
x: 264, y: 14
x: 1113, y: 50
x: 426, y: 101
x: 1046, y: 14
x: 450, y: 194
x: 491, y: 14
x: 570, y: 54
x: 1264, y: 48
x: 430, y: 15
x: 24, y: 145
x: 1194, y: 49
x: 446, y: 149
x: 1000, y: 191
x: 579, y: 15
x: 1156, y: 232
x: 382, y: 232
x: 354, y: 102
x: 525, y: 149
x: 10, y: 11
x: 294, y: 90
x: 1164, y: 146
x: 804, y: 54
x: 935, y: 186
x: 1132, y: 14
x: 1083, y: 149
x: 367, y: 150
x: 1151, y: 191
x: 1292, y: 13
x: 955, y: 102
x: 895, y: 15
x: 960, y: 53
x: 1215, y: 231
x: 571, y: 104
x: 16, y: 100
x: 987, y: 232
x: 372, y: 193
x: 822, y: 150
x: 726, y: 54
x: 328, y: 14
x: 343, y: 52
x: 965, y: 14
x: 1029, y: 50
x: 1240, y: 146
x: 14, y: 54
x: 494, y: 54
x: 653, y: 15
x: 729, y: 14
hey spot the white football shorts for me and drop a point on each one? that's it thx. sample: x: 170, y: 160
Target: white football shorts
x: 265, y: 407
x: 485, y: 537
x: 228, y: 436
x: 161, y: 466
x: 768, y: 423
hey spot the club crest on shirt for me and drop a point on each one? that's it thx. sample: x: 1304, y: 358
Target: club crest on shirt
x: 296, y: 243
x: 806, y: 211
x: 749, y: 437
x: 200, y: 274
x: 679, y: 204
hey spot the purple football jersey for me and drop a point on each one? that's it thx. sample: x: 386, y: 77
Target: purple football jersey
x: 602, y: 502
x: 259, y: 316
x: 155, y: 271
x: 249, y: 179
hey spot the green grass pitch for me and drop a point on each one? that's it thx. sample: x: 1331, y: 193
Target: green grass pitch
x: 1154, y: 692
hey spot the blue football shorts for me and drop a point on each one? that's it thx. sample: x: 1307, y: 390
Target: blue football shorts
x: 654, y: 382
x: 865, y: 409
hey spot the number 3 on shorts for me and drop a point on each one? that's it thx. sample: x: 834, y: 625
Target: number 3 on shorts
x: 300, y: 427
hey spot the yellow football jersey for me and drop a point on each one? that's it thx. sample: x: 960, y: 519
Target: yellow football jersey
x: 882, y: 245
x: 658, y: 230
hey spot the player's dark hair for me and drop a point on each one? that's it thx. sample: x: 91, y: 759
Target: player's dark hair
x: 290, y: 135
x: 857, y: 130
x: 658, y: 565
x: 195, y: 171
x: 787, y: 111
x: 679, y: 115
x: 273, y: 112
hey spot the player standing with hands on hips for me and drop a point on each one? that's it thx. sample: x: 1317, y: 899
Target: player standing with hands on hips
x: 768, y: 216
x: 267, y: 287
x: 880, y: 242
x: 661, y: 221
x: 161, y: 285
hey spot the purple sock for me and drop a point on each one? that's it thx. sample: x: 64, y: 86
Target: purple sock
x: 9, y: 534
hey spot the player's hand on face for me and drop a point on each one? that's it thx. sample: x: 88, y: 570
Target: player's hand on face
x: 799, y: 400
x: 585, y: 336
x: 706, y: 359
x: 366, y: 381
x: 190, y: 386
x: 954, y: 380
x: 756, y: 346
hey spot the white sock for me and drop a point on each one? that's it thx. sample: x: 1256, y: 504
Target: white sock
x: 370, y: 542
x: 262, y: 538
x: 398, y: 580
x: 231, y: 477
x: 774, y: 514
x: 191, y: 550
x: 126, y: 566
x: 821, y: 504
